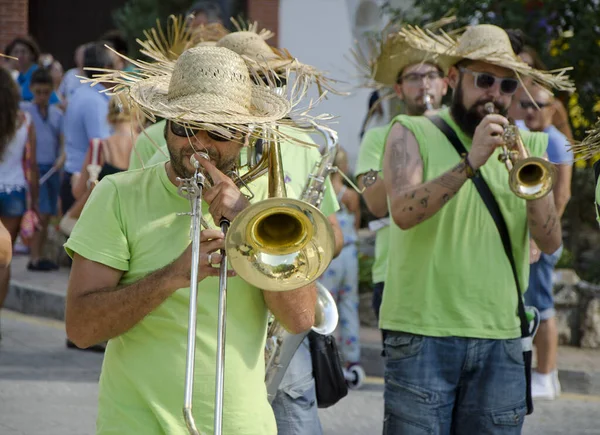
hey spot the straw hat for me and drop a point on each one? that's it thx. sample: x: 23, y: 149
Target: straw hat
x: 208, y: 88
x: 168, y: 44
x: 484, y: 42
x: 396, y: 55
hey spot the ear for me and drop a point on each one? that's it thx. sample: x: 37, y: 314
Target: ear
x: 398, y: 89
x: 444, y: 86
x: 453, y: 77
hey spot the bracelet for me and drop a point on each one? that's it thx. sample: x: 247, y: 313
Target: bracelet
x: 471, y: 172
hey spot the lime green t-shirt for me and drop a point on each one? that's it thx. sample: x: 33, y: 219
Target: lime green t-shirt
x: 147, y: 144
x: 370, y: 156
x: 297, y: 160
x: 598, y: 200
x: 449, y: 275
x: 131, y: 223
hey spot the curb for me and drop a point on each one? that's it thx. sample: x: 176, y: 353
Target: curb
x: 27, y: 299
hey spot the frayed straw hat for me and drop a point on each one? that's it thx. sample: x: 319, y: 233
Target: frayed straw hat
x: 389, y: 53
x: 250, y: 43
x: 208, y: 87
x: 588, y: 148
x: 486, y: 43
x: 168, y: 44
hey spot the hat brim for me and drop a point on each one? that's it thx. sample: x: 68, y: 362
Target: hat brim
x: 151, y: 95
x: 444, y: 49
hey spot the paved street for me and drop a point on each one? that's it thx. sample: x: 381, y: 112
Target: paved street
x: 48, y: 389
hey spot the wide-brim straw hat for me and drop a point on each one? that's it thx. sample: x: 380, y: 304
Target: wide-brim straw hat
x: 388, y: 54
x: 207, y: 87
x: 486, y: 43
x: 168, y: 44
x: 250, y: 43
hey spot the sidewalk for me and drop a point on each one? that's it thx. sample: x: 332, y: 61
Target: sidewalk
x: 43, y: 294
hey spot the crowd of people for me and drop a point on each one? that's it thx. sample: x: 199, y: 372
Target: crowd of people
x: 463, y: 258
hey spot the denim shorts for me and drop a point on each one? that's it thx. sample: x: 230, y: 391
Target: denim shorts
x: 13, y: 203
x: 540, y: 291
x: 48, y: 201
x: 453, y: 385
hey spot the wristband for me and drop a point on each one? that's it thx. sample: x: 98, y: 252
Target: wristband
x: 471, y: 172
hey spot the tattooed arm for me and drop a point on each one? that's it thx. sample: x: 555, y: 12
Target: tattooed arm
x: 411, y: 200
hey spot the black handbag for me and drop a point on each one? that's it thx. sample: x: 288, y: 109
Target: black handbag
x: 330, y: 383
x: 492, y: 205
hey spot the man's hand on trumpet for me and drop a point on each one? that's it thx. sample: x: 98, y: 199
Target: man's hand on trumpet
x: 224, y: 198
x: 487, y: 137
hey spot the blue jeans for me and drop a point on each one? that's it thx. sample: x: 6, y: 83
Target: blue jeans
x: 295, y: 404
x: 452, y: 385
x: 13, y: 203
x: 540, y: 290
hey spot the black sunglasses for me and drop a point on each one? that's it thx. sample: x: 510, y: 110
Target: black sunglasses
x: 485, y: 80
x: 186, y: 131
x: 531, y: 105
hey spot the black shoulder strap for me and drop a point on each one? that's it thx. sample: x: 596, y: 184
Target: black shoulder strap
x: 490, y: 202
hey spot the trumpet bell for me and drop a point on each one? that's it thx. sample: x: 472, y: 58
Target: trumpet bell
x: 532, y: 178
x: 280, y: 244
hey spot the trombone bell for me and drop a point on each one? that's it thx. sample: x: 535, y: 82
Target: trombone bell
x: 280, y: 244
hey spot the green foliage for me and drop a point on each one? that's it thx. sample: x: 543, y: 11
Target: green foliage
x: 365, y: 278
x: 564, y: 32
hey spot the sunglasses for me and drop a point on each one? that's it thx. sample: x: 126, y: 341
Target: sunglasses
x: 525, y: 105
x: 484, y: 80
x: 183, y: 131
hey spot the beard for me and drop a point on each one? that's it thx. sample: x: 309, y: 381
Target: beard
x: 468, y: 119
x: 182, y: 167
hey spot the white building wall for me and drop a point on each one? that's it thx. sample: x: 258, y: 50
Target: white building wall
x: 321, y: 33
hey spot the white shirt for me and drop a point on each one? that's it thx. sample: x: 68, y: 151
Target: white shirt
x: 12, y: 175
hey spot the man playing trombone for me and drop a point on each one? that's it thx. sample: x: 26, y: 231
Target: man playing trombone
x: 454, y: 357
x: 131, y: 258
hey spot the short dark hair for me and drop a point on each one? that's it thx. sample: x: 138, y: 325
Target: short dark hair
x: 41, y: 76
x: 517, y: 39
x: 96, y: 55
x: 211, y: 9
x: 116, y: 40
x: 25, y: 40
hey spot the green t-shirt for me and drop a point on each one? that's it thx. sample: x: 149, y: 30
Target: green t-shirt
x: 449, y: 275
x: 598, y: 200
x: 370, y: 156
x: 130, y: 223
x: 147, y: 144
x: 297, y: 160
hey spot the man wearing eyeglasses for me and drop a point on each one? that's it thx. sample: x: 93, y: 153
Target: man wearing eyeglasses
x: 538, y: 115
x: 454, y: 355
x: 421, y: 86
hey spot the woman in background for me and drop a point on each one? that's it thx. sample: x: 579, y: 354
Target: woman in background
x: 16, y: 131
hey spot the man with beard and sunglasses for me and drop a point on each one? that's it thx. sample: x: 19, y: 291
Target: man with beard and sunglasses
x: 421, y: 86
x: 130, y: 278
x: 454, y: 355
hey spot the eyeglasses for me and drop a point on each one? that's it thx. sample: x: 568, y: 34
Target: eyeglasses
x: 525, y: 105
x: 485, y: 80
x: 186, y: 131
x: 415, y: 79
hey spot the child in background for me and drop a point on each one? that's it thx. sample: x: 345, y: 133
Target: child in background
x: 48, y: 121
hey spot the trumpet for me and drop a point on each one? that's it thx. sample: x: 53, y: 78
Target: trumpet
x: 529, y: 177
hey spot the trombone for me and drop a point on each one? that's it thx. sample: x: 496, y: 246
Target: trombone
x: 278, y: 244
x: 529, y: 177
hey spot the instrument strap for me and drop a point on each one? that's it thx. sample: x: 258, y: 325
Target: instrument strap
x: 492, y: 205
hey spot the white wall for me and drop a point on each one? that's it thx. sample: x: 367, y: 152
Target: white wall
x: 320, y: 33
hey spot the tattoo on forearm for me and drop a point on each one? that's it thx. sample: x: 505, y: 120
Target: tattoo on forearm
x: 452, y: 181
